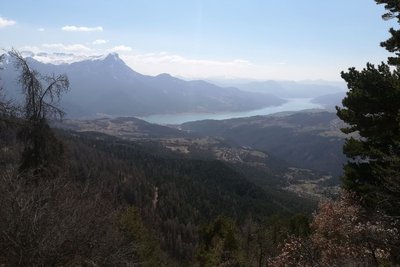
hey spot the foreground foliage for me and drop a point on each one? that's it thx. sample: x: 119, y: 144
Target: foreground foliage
x: 343, y: 234
x: 362, y: 228
x: 87, y: 199
x: 371, y: 109
x: 56, y: 222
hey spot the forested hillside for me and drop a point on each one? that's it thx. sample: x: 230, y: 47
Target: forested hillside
x: 270, y: 168
x: 173, y: 197
x: 71, y: 198
x: 310, y: 188
x: 306, y: 139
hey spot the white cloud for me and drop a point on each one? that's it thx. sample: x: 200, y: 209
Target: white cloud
x: 121, y: 48
x: 6, y: 22
x: 29, y: 48
x: 183, y: 66
x: 77, y: 48
x: 164, y: 57
x: 156, y: 63
x: 55, y: 53
x: 99, y: 42
x: 59, y: 58
x: 40, y: 29
x: 192, y: 68
x: 70, y: 28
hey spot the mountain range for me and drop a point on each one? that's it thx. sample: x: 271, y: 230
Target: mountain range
x: 288, y: 89
x: 178, y: 181
x: 107, y: 86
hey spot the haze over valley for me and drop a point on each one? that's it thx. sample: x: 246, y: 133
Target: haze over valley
x: 106, y: 86
x: 200, y: 133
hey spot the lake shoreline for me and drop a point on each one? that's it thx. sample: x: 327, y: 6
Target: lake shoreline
x: 292, y: 104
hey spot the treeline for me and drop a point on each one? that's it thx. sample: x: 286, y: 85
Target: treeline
x: 109, y: 202
x: 362, y: 227
x: 89, y: 199
x: 175, y: 196
x: 74, y: 199
x: 61, y: 219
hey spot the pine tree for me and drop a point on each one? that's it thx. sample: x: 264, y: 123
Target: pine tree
x: 371, y: 110
x: 393, y: 43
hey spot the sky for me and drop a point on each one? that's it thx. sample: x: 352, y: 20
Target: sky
x: 208, y: 39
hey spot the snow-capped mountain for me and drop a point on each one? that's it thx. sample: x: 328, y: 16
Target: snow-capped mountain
x: 57, y: 58
x: 106, y: 85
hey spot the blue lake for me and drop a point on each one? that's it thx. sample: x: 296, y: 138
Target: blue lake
x: 293, y: 104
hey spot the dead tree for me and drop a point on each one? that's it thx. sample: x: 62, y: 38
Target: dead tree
x: 42, y: 151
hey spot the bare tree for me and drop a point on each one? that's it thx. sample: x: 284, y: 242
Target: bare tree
x: 7, y: 107
x: 42, y: 92
x: 42, y: 151
x: 60, y: 223
x: 53, y: 221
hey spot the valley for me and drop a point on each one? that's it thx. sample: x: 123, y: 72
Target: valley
x: 185, y: 155
x: 278, y: 167
x: 200, y: 133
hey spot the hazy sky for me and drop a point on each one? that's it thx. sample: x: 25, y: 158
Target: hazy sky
x: 259, y: 39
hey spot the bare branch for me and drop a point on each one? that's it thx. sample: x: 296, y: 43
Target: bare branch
x: 40, y: 99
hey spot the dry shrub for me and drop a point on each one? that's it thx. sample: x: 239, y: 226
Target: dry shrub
x: 57, y: 222
x: 344, y: 234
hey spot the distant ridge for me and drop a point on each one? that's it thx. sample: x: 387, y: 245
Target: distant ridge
x: 106, y: 85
